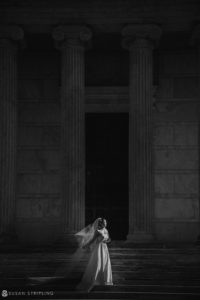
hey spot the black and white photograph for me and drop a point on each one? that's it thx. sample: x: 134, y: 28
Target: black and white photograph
x: 100, y: 149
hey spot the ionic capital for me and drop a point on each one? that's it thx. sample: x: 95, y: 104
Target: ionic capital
x: 71, y: 35
x: 10, y: 35
x: 12, y: 32
x: 144, y: 35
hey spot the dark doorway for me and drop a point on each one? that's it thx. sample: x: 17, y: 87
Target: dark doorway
x: 107, y: 171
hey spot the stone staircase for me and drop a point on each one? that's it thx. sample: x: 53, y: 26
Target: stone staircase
x: 138, y: 273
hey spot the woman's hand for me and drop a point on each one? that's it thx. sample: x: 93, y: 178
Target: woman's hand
x: 107, y: 241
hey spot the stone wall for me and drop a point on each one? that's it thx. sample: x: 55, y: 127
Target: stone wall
x: 176, y: 139
x: 176, y: 135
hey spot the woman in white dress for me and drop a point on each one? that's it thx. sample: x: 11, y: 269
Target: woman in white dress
x: 98, y: 271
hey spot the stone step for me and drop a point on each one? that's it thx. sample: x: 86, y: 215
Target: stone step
x: 115, y: 264
x: 115, y: 258
x: 112, y: 251
x: 131, y: 288
x: 65, y: 289
x: 114, y: 245
x: 130, y: 295
x: 140, y: 270
x: 125, y: 279
x: 153, y: 251
x: 121, y: 281
x: 137, y: 273
x: 117, y: 280
x: 62, y: 285
x: 145, y: 257
x: 120, y: 265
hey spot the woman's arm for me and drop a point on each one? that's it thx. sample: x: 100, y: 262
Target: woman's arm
x: 108, y: 239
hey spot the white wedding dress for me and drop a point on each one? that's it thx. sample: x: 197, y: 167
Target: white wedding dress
x: 98, y: 270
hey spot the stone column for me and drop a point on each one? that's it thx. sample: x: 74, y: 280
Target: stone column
x: 70, y: 40
x: 139, y: 40
x: 195, y: 41
x: 9, y: 35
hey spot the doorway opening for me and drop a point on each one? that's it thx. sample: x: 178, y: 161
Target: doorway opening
x: 107, y: 171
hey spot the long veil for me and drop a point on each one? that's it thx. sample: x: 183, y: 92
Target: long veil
x: 83, y: 237
x: 86, y: 234
x: 67, y: 267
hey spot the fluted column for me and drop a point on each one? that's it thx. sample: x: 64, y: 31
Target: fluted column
x: 70, y: 41
x: 139, y: 40
x: 9, y: 35
x: 195, y: 41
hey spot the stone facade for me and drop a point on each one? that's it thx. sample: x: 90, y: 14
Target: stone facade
x: 48, y: 200
x: 176, y: 145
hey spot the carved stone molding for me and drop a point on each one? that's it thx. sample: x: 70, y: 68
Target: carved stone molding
x: 142, y: 35
x: 71, y: 35
x: 12, y: 32
x: 11, y: 36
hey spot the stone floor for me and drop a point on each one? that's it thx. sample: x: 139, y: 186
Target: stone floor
x: 139, y: 273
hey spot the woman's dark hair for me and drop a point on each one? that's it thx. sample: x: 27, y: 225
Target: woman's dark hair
x: 101, y: 221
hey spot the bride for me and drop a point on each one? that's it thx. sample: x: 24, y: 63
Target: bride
x: 95, y: 237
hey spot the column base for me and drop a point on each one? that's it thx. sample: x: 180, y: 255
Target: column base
x: 140, y: 237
